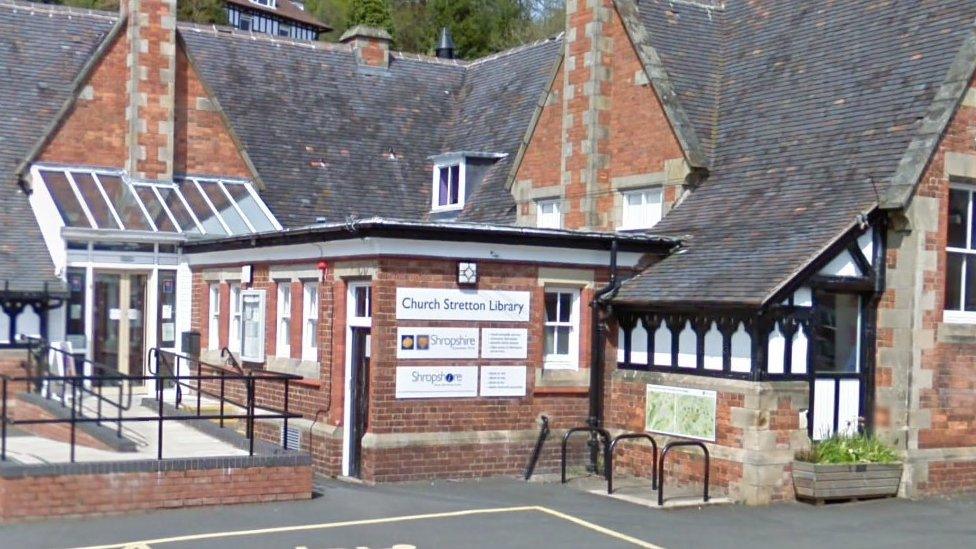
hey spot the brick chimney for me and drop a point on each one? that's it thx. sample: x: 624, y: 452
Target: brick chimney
x: 151, y: 89
x: 371, y: 45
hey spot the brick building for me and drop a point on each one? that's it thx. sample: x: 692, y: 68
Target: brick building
x: 768, y: 213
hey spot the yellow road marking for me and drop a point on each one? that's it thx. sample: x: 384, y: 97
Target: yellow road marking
x: 385, y: 520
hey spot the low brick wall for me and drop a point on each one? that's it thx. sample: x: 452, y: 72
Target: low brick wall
x: 29, y: 492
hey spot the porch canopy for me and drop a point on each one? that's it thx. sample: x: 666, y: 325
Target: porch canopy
x: 191, y: 206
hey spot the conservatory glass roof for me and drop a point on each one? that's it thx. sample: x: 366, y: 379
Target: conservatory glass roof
x: 197, y: 206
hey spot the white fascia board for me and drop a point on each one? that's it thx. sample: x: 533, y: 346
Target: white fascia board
x: 370, y: 246
x: 48, y: 220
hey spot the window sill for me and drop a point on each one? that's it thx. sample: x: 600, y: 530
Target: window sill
x: 442, y: 209
x: 560, y: 366
x: 959, y: 317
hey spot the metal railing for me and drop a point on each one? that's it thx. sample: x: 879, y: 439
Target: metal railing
x: 78, y: 384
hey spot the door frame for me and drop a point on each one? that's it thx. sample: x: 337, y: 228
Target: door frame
x: 352, y: 322
x: 865, y: 352
x: 148, y: 313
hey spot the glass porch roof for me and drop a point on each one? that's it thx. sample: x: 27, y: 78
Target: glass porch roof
x: 193, y: 206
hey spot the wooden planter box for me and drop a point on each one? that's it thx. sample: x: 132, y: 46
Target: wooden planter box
x: 845, y: 481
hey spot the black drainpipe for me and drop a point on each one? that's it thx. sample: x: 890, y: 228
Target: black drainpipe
x: 598, y: 341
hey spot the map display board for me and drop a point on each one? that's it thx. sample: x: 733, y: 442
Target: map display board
x: 681, y: 412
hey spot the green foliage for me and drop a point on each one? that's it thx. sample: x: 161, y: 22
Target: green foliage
x: 196, y: 11
x: 848, y: 449
x: 372, y: 13
x: 480, y: 27
x: 202, y: 11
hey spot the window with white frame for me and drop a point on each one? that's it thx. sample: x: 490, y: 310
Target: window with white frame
x: 641, y: 208
x: 960, y: 283
x: 283, y: 339
x: 549, y: 214
x: 448, y: 193
x: 310, y: 321
x: 234, y: 339
x: 562, y: 329
x: 252, y: 325
x: 360, y: 306
x: 213, y: 327
x: 268, y: 3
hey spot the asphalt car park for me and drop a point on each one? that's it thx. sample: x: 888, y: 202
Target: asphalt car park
x: 507, y: 513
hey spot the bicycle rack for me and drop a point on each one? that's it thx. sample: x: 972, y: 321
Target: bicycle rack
x: 602, y: 433
x: 660, y: 467
x: 613, y: 446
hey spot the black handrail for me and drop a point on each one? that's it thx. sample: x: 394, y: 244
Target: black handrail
x: 38, y: 349
x: 660, y: 467
x: 537, y: 451
x: 160, y: 416
x: 613, y: 446
x: 230, y: 360
x: 602, y: 433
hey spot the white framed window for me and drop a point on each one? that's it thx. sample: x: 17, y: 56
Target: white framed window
x: 562, y: 329
x: 960, y: 270
x: 252, y: 325
x: 213, y: 326
x: 449, y: 187
x: 359, y: 312
x: 283, y: 335
x: 310, y: 321
x: 549, y: 214
x: 234, y: 338
x: 642, y: 209
x: 268, y: 3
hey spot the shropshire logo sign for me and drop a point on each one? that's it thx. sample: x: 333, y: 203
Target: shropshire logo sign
x: 474, y: 305
x: 436, y: 381
x: 679, y: 411
x: 437, y: 343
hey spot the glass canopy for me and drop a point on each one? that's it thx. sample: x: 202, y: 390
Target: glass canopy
x: 107, y: 200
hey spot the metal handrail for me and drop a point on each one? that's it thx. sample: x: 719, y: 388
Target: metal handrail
x: 160, y: 417
x: 38, y: 348
x: 602, y: 433
x: 660, y: 467
x: 226, y: 352
x: 613, y: 446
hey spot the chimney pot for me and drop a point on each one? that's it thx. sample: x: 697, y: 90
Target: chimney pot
x: 445, y: 46
x: 371, y: 45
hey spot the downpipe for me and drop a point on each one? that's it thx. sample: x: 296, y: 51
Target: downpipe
x: 598, y: 317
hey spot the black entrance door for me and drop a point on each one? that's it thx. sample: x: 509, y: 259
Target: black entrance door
x: 359, y: 407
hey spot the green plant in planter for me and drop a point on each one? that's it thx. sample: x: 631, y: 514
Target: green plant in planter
x: 849, y: 449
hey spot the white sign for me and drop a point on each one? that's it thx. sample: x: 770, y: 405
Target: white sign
x: 503, y: 381
x: 436, y: 381
x: 504, y: 343
x: 432, y: 304
x: 437, y: 343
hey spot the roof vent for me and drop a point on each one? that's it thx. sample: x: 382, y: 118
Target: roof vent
x: 445, y: 46
x: 371, y: 45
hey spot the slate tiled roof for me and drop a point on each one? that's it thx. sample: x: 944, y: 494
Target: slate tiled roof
x: 816, y: 104
x: 42, y: 49
x: 331, y: 139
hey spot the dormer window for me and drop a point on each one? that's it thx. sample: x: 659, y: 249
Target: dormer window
x: 448, y: 186
x: 268, y: 3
